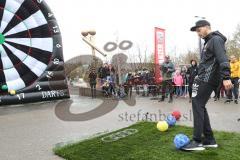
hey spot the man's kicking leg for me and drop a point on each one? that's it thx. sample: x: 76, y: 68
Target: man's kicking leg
x: 200, y: 95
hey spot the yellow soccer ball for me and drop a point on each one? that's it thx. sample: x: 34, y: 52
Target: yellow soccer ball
x: 162, y: 126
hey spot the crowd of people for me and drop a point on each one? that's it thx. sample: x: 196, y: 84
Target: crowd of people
x: 177, y: 81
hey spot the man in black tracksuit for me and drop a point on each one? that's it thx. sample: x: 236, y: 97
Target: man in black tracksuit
x: 213, y: 68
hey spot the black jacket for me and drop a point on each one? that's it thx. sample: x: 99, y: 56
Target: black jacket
x: 167, y: 69
x: 92, y: 78
x: 192, y: 73
x: 102, y: 72
x: 214, y: 65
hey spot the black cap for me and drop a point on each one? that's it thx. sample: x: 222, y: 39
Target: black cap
x: 200, y: 23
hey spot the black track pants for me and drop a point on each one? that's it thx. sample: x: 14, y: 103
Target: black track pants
x: 201, y: 93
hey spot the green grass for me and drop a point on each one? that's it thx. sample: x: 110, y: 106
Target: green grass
x: 150, y: 144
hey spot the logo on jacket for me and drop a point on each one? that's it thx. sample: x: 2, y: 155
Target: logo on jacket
x: 205, y: 48
x: 194, y: 90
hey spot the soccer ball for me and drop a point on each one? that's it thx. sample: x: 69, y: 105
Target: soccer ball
x: 171, y: 120
x: 162, y: 126
x: 181, y: 140
x: 177, y: 115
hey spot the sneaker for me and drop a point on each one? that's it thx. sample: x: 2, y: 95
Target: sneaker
x: 210, y: 144
x: 227, y: 101
x: 161, y: 100
x: 236, y: 101
x: 193, y: 146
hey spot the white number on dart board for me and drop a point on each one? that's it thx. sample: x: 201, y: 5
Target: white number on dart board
x: 56, y: 29
x: 49, y: 75
x: 38, y: 87
x: 58, y: 46
x: 56, y: 61
x: 20, y: 96
x: 50, y: 15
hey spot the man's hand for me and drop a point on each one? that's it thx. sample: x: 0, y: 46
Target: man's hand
x: 227, y: 84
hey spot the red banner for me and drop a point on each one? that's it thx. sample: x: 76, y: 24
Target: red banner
x: 159, y: 51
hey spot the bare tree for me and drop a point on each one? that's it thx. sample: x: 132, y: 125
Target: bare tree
x: 233, y: 44
x: 190, y: 55
x: 139, y: 55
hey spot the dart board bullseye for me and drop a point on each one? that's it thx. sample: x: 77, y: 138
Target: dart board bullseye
x: 2, y: 39
x: 30, y: 44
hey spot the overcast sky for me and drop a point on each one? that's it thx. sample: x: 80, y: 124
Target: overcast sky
x: 135, y: 20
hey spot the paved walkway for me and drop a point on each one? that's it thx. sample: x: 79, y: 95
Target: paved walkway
x: 31, y: 131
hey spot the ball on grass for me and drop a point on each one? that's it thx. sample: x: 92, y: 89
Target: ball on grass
x: 162, y: 126
x: 171, y: 120
x: 181, y: 140
x: 177, y: 115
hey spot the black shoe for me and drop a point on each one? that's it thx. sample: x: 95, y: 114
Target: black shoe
x: 227, y: 101
x: 193, y: 146
x: 210, y: 144
x: 236, y: 101
x: 170, y: 100
x: 162, y: 99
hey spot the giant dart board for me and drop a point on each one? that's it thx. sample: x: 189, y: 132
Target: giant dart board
x: 31, y: 64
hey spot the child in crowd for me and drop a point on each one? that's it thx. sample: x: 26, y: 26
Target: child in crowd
x: 178, y: 81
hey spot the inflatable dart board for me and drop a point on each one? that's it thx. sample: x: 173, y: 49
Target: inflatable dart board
x: 31, y: 63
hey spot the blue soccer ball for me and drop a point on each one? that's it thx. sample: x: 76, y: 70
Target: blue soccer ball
x: 171, y: 120
x: 181, y: 140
